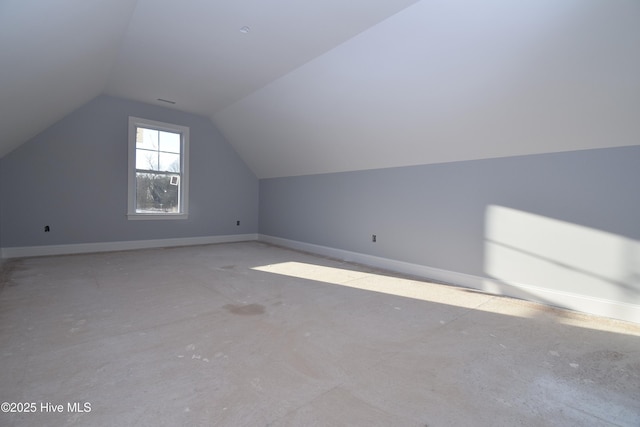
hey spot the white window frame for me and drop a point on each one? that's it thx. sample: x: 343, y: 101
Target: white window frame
x: 134, y: 123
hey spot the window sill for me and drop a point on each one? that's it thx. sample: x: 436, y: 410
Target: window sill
x: 140, y: 216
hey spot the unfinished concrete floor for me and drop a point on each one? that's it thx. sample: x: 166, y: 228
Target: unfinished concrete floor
x: 248, y: 334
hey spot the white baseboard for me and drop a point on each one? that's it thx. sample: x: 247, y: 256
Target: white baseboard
x: 582, y: 303
x: 435, y: 274
x: 31, y: 251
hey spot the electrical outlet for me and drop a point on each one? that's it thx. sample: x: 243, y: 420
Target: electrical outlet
x: 47, y: 229
x: 374, y: 238
x: 238, y: 222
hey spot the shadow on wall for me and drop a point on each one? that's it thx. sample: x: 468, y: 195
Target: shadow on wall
x: 562, y: 264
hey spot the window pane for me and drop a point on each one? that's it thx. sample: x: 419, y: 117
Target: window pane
x: 147, y: 160
x: 156, y: 194
x: 170, y: 142
x: 146, y: 138
x: 169, y: 162
x: 157, y: 177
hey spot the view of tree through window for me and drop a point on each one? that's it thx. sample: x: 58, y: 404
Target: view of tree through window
x: 157, y: 171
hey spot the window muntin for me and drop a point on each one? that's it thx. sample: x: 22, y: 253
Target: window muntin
x: 158, y: 161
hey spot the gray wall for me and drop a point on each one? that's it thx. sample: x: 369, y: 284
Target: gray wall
x: 73, y: 177
x: 558, y: 213
x: 1, y: 204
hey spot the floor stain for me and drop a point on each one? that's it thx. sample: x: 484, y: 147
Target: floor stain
x: 7, y: 269
x: 245, y: 310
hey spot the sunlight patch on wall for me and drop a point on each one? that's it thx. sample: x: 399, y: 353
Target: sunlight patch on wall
x: 562, y: 263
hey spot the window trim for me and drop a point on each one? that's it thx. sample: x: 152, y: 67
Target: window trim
x: 134, y: 123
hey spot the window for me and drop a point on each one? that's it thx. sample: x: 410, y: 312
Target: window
x: 158, y: 170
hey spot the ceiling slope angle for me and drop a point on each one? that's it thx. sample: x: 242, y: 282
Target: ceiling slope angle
x: 57, y: 55
x: 205, y: 55
x: 54, y: 57
x: 451, y: 80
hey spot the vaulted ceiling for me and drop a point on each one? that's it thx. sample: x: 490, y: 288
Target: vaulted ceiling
x: 314, y: 86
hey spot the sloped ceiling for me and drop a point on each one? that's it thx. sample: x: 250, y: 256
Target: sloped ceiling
x: 54, y: 56
x: 320, y: 86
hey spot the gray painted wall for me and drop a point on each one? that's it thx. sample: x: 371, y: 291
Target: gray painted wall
x: 567, y: 221
x: 1, y: 204
x: 73, y: 177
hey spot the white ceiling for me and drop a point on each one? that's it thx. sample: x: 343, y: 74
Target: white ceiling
x: 55, y: 55
x: 333, y: 85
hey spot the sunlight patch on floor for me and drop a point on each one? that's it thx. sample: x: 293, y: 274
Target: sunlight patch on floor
x: 441, y: 294
x: 369, y: 281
